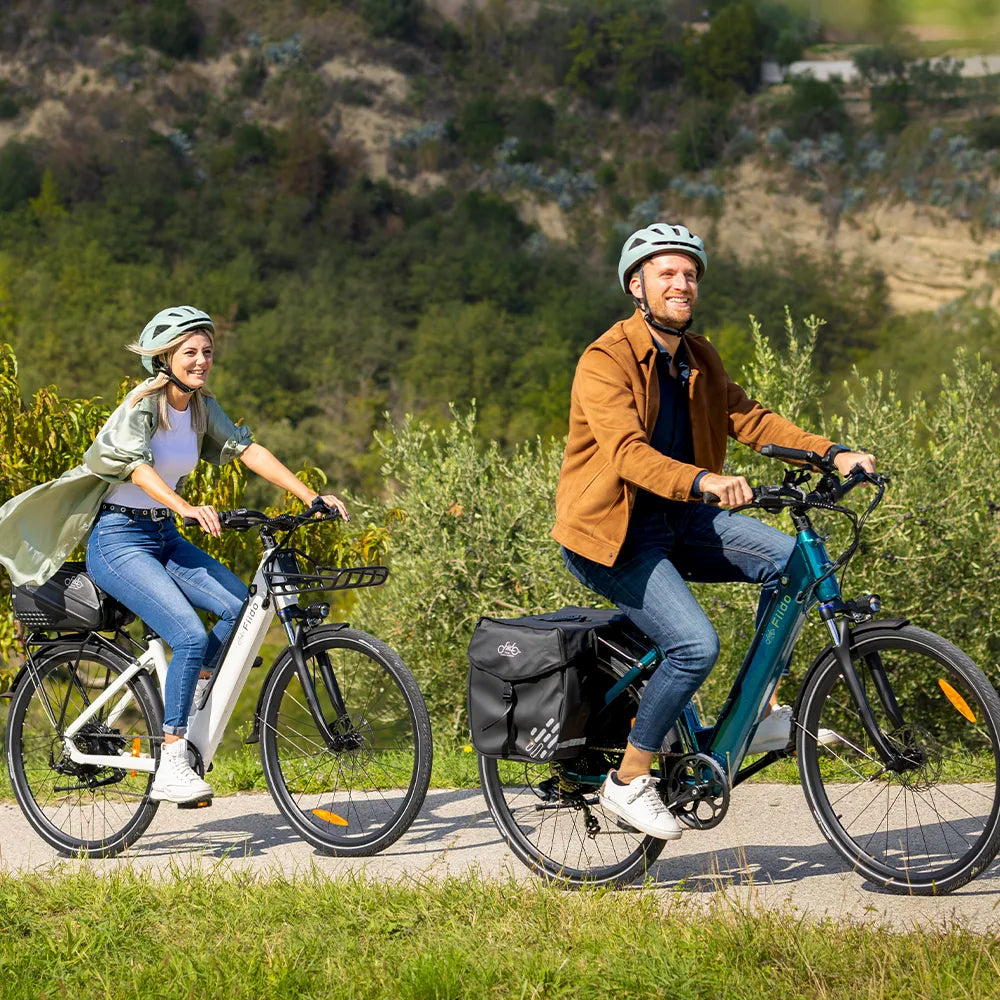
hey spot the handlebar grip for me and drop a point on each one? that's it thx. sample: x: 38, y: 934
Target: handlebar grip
x: 793, y: 455
x: 188, y: 522
x: 710, y: 498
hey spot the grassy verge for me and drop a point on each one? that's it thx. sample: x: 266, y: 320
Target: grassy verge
x: 118, y: 935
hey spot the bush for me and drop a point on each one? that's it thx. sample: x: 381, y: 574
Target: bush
x: 480, y: 127
x: 20, y: 177
x: 392, y: 18
x: 813, y: 109
x: 473, y: 540
x: 170, y: 26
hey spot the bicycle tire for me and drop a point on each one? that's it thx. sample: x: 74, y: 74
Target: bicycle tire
x: 359, y: 799
x: 933, y: 827
x: 82, y: 809
x: 542, y: 811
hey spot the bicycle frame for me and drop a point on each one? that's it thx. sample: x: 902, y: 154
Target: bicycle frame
x: 208, y: 724
x: 805, y: 582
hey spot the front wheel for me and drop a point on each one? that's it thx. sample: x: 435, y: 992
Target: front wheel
x: 931, y: 823
x: 83, y: 809
x: 351, y: 782
x: 550, y: 815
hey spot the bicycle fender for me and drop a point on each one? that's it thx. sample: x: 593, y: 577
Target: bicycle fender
x: 40, y: 660
x: 279, y: 661
x: 876, y: 625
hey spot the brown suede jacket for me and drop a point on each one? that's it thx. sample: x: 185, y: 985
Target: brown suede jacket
x: 613, y: 408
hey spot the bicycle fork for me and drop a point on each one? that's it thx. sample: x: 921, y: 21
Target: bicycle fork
x: 334, y: 740
x: 891, y: 757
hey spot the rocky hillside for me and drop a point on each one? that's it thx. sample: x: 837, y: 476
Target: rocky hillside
x: 384, y: 105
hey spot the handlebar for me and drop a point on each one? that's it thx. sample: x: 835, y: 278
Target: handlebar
x: 243, y: 518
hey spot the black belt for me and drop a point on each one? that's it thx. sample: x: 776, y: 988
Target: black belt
x: 153, y: 513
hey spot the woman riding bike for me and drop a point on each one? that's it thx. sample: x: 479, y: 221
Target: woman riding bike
x: 122, y: 498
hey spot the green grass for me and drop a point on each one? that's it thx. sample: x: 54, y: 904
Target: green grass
x: 119, y: 935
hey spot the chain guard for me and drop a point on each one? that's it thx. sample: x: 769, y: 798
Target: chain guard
x: 697, y: 791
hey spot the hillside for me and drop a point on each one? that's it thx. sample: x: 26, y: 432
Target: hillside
x: 368, y: 104
x: 392, y: 206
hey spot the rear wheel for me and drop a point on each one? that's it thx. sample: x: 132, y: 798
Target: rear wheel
x: 550, y: 816
x: 352, y: 784
x: 933, y: 823
x: 83, y: 809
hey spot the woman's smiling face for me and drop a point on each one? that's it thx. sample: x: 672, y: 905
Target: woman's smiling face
x: 192, y: 361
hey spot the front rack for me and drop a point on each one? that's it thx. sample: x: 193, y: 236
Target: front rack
x: 318, y: 578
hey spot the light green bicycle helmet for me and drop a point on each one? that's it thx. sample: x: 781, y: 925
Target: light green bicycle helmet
x: 167, y: 325
x: 660, y: 237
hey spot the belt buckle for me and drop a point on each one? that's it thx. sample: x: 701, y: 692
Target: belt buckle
x: 159, y: 513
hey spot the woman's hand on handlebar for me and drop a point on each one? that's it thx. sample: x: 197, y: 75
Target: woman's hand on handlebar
x: 732, y: 491
x: 845, y: 461
x: 334, y: 503
x: 206, y: 517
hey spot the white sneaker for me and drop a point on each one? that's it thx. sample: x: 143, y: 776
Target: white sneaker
x: 176, y: 780
x: 639, y: 805
x: 775, y: 730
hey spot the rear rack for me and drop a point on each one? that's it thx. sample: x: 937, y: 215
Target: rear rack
x: 319, y: 578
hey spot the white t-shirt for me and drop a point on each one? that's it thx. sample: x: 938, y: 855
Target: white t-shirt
x: 175, y: 454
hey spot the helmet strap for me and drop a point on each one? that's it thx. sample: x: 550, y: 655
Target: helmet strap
x: 163, y: 369
x: 647, y: 314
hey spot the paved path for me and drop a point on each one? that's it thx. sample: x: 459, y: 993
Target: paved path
x: 767, y: 852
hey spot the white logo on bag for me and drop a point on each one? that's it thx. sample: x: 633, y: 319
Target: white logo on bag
x: 509, y: 649
x: 543, y: 740
x: 76, y: 583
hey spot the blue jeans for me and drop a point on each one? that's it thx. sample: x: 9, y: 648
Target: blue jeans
x: 663, y: 550
x: 161, y: 577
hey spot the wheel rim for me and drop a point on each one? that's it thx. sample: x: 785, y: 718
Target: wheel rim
x: 358, y: 789
x: 81, y: 807
x: 935, y: 820
x: 556, y: 825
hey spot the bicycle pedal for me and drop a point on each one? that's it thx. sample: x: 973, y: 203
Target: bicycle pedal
x: 202, y: 803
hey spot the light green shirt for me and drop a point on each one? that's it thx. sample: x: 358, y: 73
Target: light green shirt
x: 42, y: 526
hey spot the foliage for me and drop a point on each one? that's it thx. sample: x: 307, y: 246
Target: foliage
x: 813, y: 109
x: 620, y: 51
x: 473, y: 541
x: 20, y: 177
x: 170, y: 26
x: 726, y: 58
x: 392, y: 18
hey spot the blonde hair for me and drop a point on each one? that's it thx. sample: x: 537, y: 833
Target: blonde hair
x: 199, y: 412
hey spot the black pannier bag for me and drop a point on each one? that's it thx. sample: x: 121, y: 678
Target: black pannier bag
x: 530, y: 681
x: 68, y: 601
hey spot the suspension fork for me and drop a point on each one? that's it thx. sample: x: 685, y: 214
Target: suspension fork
x: 892, y: 759
x: 295, y: 648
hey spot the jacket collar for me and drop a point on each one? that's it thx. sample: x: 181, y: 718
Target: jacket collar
x: 639, y: 337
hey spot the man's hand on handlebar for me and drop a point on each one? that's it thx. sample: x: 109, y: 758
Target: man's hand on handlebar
x: 731, y: 491
x: 845, y: 461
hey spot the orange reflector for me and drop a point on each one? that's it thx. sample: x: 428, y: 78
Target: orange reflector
x: 329, y: 817
x: 961, y: 705
x: 136, y: 746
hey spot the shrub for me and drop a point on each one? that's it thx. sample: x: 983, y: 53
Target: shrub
x: 170, y: 26
x: 20, y: 177
x: 392, y: 18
